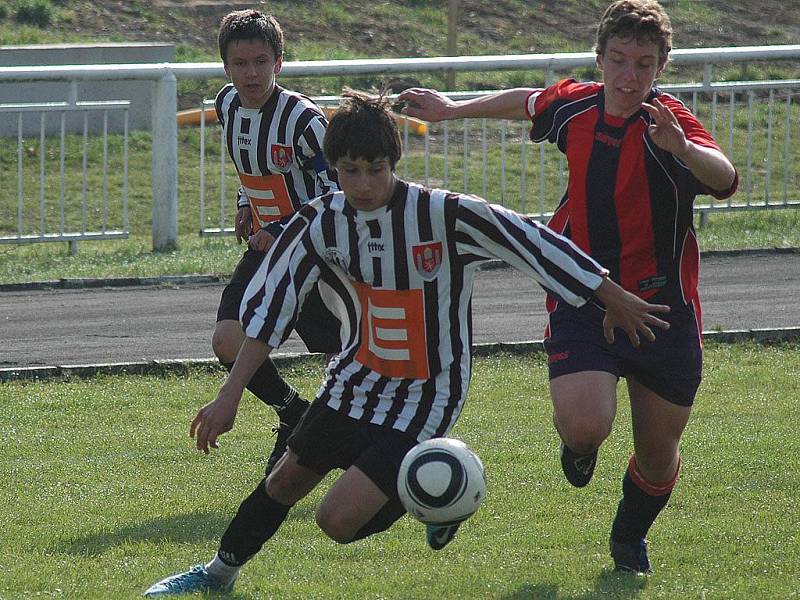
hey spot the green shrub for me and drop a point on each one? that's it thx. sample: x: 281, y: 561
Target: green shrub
x: 34, y: 12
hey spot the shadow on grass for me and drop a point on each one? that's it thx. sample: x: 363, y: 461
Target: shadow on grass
x: 178, y: 529
x: 609, y: 585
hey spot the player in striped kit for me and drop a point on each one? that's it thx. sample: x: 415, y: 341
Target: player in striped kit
x: 637, y: 158
x: 398, y: 262
x: 274, y: 137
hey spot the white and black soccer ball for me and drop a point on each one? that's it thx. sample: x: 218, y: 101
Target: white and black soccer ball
x: 441, y: 481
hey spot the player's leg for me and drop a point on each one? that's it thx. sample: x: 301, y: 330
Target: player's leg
x: 258, y: 518
x: 663, y: 380
x: 584, y: 407
x: 584, y: 371
x: 356, y: 507
x: 650, y: 477
x: 364, y: 500
x: 267, y: 383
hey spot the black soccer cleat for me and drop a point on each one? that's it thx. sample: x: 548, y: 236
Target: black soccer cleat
x: 630, y: 557
x: 438, y: 536
x: 282, y: 432
x: 578, y: 468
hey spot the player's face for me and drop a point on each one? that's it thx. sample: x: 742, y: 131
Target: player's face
x: 252, y: 67
x: 366, y: 184
x: 629, y: 70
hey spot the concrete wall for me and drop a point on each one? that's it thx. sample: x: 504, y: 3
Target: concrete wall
x: 137, y: 92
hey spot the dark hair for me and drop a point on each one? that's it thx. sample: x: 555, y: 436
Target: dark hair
x: 250, y: 25
x: 642, y: 20
x: 362, y: 127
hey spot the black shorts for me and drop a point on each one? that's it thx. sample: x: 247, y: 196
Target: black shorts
x: 325, y: 440
x: 671, y: 366
x: 316, y: 325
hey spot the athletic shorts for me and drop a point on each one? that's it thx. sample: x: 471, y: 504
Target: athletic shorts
x: 325, y: 440
x: 316, y: 325
x: 670, y: 366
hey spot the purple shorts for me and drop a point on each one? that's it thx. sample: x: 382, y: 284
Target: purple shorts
x: 671, y: 366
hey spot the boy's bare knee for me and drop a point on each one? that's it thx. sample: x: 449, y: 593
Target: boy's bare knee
x: 334, y: 526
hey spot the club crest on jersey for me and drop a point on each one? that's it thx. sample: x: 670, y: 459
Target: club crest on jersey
x: 427, y: 259
x: 333, y: 256
x: 282, y: 155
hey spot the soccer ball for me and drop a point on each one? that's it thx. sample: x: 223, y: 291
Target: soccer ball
x: 441, y: 481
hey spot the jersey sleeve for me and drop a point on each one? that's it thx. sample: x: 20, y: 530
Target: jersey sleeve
x: 556, y: 263
x: 276, y: 292
x: 544, y: 107
x: 311, y: 158
x: 697, y: 133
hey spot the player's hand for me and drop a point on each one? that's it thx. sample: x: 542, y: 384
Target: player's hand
x: 214, y: 419
x: 665, y: 130
x: 425, y: 104
x: 629, y: 312
x: 242, y: 224
x: 261, y: 240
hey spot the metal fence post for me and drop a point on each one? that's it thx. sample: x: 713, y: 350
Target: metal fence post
x: 165, y: 162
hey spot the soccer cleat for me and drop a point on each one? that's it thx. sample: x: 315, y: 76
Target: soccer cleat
x: 631, y: 557
x: 440, y: 535
x: 282, y: 432
x: 578, y: 468
x: 196, y: 579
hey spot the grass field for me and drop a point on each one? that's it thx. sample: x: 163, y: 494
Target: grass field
x: 103, y: 494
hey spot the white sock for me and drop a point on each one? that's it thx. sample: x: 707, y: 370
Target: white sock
x: 222, y: 572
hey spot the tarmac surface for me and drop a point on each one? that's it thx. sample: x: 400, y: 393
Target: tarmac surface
x: 91, y: 322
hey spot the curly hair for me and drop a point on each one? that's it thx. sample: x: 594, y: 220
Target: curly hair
x: 250, y: 25
x: 362, y: 127
x: 642, y: 20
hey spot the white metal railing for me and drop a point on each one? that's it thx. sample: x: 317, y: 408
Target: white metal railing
x: 164, y: 77
x: 89, y: 220
x: 504, y: 167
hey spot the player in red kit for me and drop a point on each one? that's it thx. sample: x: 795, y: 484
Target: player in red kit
x: 637, y: 158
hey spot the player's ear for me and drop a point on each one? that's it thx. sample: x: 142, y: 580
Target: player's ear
x: 278, y: 65
x: 227, y: 69
x: 598, y: 59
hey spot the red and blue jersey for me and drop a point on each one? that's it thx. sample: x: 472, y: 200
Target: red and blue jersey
x: 628, y: 203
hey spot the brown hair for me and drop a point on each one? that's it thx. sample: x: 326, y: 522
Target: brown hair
x: 362, y: 127
x: 642, y: 20
x: 250, y: 25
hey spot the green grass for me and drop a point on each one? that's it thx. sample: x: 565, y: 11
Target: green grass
x: 103, y: 494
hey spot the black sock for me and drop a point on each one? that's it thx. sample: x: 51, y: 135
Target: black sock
x: 383, y: 519
x: 257, y: 520
x: 636, y: 511
x: 291, y: 413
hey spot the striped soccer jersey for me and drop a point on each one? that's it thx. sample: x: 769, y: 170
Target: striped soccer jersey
x: 277, y: 150
x: 628, y: 202
x: 400, y: 278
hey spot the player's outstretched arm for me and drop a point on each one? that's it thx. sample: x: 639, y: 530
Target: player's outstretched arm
x: 431, y: 105
x: 217, y: 417
x: 629, y: 312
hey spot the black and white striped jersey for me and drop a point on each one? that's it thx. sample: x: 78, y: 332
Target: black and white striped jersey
x: 277, y: 150
x: 400, y: 279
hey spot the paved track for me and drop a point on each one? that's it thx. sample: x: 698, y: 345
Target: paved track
x: 157, y: 322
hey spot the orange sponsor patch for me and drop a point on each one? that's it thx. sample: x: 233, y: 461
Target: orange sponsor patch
x: 269, y: 199
x: 393, y: 336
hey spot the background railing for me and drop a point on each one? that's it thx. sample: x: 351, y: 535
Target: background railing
x: 39, y: 168
x: 506, y: 177
x: 756, y: 124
